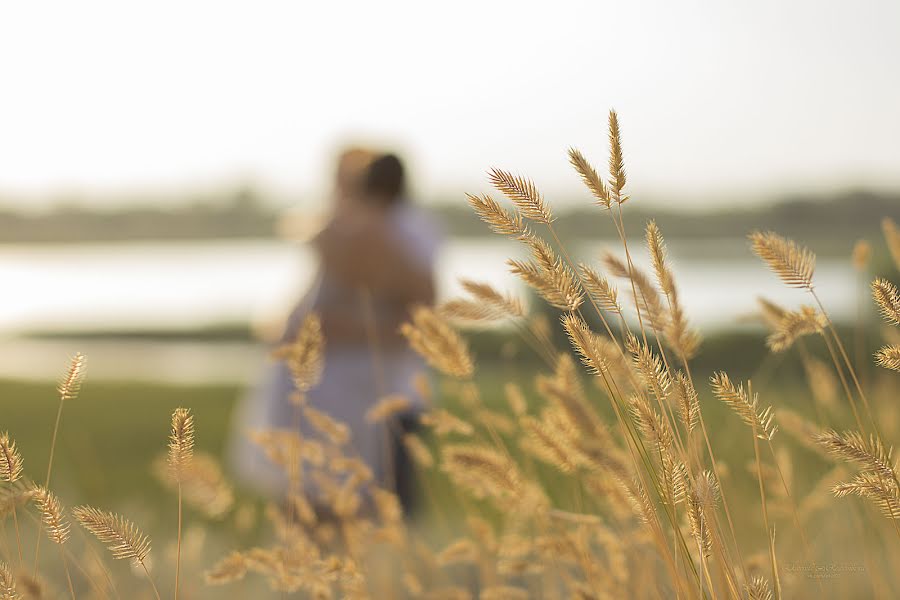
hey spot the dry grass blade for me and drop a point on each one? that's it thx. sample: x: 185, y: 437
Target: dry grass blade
x: 7, y: 584
x: 10, y: 459
x: 589, y: 176
x: 53, y: 516
x: 793, y: 263
x: 892, y: 238
x: 888, y: 299
x: 763, y: 421
x: 181, y: 443
x: 793, y: 325
x: 123, y: 538
x: 888, y: 357
x: 437, y: 342
x: 523, y: 193
x: 231, y: 568
x: 616, y: 161
x: 70, y: 384
x: 497, y: 218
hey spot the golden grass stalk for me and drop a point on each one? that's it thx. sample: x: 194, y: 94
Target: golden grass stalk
x: 793, y: 325
x: 888, y: 357
x: 646, y: 300
x: 862, y: 255
x: 497, y: 218
x: 68, y: 389
x: 762, y: 420
x: 794, y: 264
x: 653, y: 372
x: 57, y: 526
x: 180, y: 459
x: 523, y: 193
x: 589, y: 176
x: 892, y: 237
x: 10, y: 472
x: 484, y: 292
x: 438, y: 343
x: 481, y: 470
x: 888, y: 300
x: 445, y: 423
x: 7, y: 584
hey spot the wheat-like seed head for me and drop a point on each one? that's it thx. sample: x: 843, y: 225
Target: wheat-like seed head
x: 889, y: 358
x: 883, y: 492
x: 483, y: 471
x: 586, y: 343
x: 892, y: 238
x: 387, y: 407
x: 793, y: 325
x: 231, y: 568
x: 7, y: 584
x: 486, y: 293
x: 181, y: 443
x: 53, y: 515
x: 10, y: 459
x: 523, y: 193
x: 418, y: 451
x: 305, y: 355
x: 438, y: 343
x: 759, y: 589
x: 653, y: 372
x: 852, y: 446
x: 888, y: 299
x: 123, y: 538
x: 558, y: 287
x: 688, y: 401
x: 601, y: 290
x: 70, y: 384
x: 336, y: 431
x: 616, y: 161
x: 445, y: 423
x: 762, y: 421
x: 793, y: 263
x: 498, y: 218
x: 589, y: 176
x: 862, y: 254
x: 647, y: 300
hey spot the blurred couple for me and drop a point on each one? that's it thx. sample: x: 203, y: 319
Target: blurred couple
x: 376, y: 259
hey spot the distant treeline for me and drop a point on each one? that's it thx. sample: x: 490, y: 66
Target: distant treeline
x: 831, y: 224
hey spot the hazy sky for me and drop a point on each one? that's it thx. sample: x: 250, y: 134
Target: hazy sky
x: 736, y: 98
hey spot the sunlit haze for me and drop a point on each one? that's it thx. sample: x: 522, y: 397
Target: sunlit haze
x: 739, y: 100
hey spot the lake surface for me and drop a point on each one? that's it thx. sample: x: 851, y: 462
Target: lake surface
x: 189, y: 285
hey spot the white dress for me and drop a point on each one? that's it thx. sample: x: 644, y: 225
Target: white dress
x: 349, y: 384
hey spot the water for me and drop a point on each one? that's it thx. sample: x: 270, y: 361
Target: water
x: 194, y: 284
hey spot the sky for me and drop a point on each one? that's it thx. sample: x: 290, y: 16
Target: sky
x: 103, y: 101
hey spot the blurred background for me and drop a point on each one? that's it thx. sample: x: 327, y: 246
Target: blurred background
x: 161, y: 166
